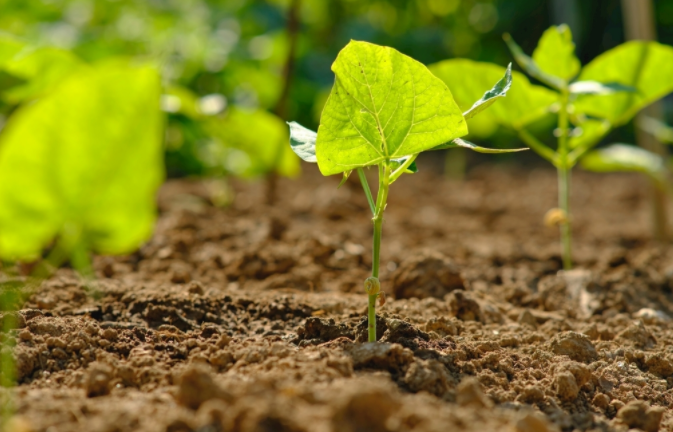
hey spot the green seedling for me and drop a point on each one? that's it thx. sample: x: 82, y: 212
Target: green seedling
x: 80, y: 166
x: 384, y: 110
x: 588, y: 101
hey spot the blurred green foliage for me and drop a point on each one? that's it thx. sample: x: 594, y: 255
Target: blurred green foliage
x: 237, y: 48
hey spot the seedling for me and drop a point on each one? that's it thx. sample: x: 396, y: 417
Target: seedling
x: 589, y: 102
x: 384, y: 110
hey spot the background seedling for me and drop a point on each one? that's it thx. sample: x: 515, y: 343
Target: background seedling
x: 384, y: 110
x: 589, y: 102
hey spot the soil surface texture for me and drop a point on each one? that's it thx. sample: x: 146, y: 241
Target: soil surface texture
x: 251, y: 318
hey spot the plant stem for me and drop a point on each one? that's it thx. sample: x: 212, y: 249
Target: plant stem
x: 563, y: 170
x: 381, y: 198
x: 368, y: 192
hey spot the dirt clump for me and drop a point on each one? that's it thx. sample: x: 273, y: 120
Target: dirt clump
x: 427, y: 274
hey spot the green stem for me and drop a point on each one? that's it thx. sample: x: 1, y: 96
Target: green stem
x: 563, y: 170
x: 537, y: 146
x: 381, y: 198
x: 368, y: 192
x: 399, y: 171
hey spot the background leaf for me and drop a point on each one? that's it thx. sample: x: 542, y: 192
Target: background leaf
x: 531, y: 67
x: 250, y: 144
x: 555, y: 53
x: 302, y: 142
x: 468, y: 79
x: 622, y: 157
x: 645, y: 66
x: 86, y: 158
x: 383, y: 105
x: 596, y: 88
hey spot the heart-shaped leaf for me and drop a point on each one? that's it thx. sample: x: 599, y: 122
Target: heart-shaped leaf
x: 302, y: 141
x: 499, y: 90
x: 384, y: 105
x: 555, y: 53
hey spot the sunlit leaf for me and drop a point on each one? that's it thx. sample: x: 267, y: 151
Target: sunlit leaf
x: 468, y: 79
x: 383, y: 105
x: 9, y: 47
x: 622, y: 157
x: 645, y: 66
x: 555, y: 53
x: 660, y: 130
x: 531, y: 67
x: 42, y: 69
x: 499, y: 90
x: 302, y: 141
x: 468, y: 145
x: 250, y: 144
x: 596, y: 88
x: 86, y: 159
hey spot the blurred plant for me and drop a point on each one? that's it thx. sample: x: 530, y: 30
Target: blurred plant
x: 384, y: 110
x: 607, y: 93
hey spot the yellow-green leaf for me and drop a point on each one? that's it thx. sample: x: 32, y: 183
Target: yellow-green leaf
x: 555, y: 53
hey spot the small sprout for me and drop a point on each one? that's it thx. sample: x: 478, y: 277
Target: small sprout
x: 362, y: 124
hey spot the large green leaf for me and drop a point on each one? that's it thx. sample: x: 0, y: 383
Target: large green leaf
x: 468, y: 80
x: 250, y: 144
x: 555, y: 53
x: 86, y: 159
x: 383, y: 105
x: 42, y: 68
x: 645, y: 66
x: 9, y: 47
x: 622, y: 157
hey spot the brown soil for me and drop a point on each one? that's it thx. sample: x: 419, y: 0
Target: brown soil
x: 251, y: 318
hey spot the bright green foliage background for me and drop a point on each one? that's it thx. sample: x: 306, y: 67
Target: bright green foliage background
x: 383, y: 105
x: 84, y: 161
x: 555, y: 53
x: 468, y: 80
x: 645, y: 66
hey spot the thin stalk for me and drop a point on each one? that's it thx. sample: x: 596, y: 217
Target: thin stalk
x: 399, y: 171
x: 538, y: 146
x: 368, y: 192
x: 563, y: 170
x: 381, y: 198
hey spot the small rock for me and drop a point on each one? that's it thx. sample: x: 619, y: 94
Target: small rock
x: 196, y: 385
x: 533, y: 422
x: 195, y: 287
x: 651, y: 316
x: 443, y: 326
x: 98, y: 382
x: 429, y: 375
x: 463, y: 307
x: 639, y: 335
x: 574, y: 345
x: 525, y: 317
x: 469, y: 393
x: 638, y: 414
x: 565, y: 386
x: 386, y: 356
x: 659, y: 365
x: 531, y: 394
x: 428, y: 274
x: 601, y: 400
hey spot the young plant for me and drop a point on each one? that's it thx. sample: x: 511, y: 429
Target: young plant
x: 589, y: 101
x: 384, y: 110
